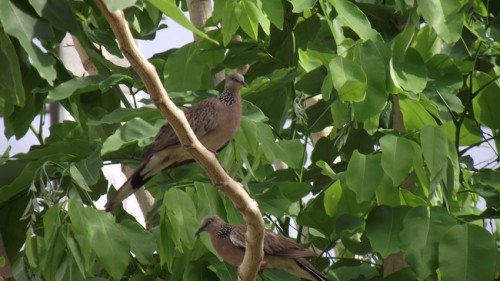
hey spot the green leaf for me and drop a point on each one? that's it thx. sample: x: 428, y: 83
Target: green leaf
x: 230, y: 23
x: 270, y: 199
x: 281, y: 150
x: 208, y: 200
x: 468, y: 253
x: 487, y: 177
x: 372, y: 59
x: 415, y: 116
x: 99, y: 231
x: 435, y: 151
x: 90, y: 167
x: 427, y: 43
x: 332, y: 197
x: 135, y: 130
x: 275, y: 12
x: 58, y: 13
x: 314, y: 216
x: 252, y: 112
x: 179, y: 210
x: 26, y: 28
x: 142, y: 242
x: 115, y: 5
x: 444, y: 75
x: 423, y: 228
x: 348, y: 78
x: 364, y: 174
x: 11, y: 82
x: 249, y: 18
x: 170, y: 9
x: 125, y: 114
x: 78, y: 178
x: 300, y: 6
x: 447, y: 18
x: 352, y: 17
x: 383, y: 227
x: 409, y: 72
x: 185, y: 70
x: 293, y: 191
x: 484, y: 103
x: 80, y: 85
x: 55, y: 244
x: 196, y: 272
x: 397, y: 158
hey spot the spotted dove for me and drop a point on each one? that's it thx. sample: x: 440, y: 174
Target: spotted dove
x: 279, y: 252
x: 214, y: 122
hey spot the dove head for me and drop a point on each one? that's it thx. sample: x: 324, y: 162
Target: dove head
x: 235, y: 82
x: 209, y: 224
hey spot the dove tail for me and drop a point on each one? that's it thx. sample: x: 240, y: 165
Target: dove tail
x: 305, y: 265
x: 132, y: 184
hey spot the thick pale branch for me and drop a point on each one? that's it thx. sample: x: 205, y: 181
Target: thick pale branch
x: 242, y: 201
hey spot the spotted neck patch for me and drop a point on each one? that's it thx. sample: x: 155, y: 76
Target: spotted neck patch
x: 224, y: 231
x: 227, y: 98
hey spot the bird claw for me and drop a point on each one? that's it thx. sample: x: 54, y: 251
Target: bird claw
x: 263, y: 265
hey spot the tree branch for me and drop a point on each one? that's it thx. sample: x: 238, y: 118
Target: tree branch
x: 207, y: 160
x: 5, y: 271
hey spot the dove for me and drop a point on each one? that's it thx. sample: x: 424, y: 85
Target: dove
x: 214, y: 121
x: 279, y: 252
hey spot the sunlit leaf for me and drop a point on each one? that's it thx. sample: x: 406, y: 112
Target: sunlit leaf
x: 468, y: 252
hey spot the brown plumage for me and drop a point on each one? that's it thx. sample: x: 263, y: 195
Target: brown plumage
x: 214, y: 122
x: 279, y: 252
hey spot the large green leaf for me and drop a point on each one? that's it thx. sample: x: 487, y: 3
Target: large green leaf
x: 25, y: 27
x: 185, y: 70
x: 300, y: 5
x: 415, y: 116
x: 340, y: 200
x: 275, y: 12
x: 99, y: 231
x: 446, y: 17
x: 468, y: 253
x: 372, y: 58
x: 397, y: 158
x: 409, y: 72
x: 352, y: 17
x: 423, y: 228
x: 364, y: 174
x: 142, y: 243
x: 249, y: 18
x: 179, y: 210
x: 444, y: 75
x: 135, y: 130
x: 58, y: 13
x: 90, y: 167
x: 383, y: 227
x: 230, y: 14
x: 11, y: 86
x: 435, y: 151
x: 125, y: 114
x: 484, y: 103
x: 348, y: 78
x: 55, y: 244
x: 80, y: 85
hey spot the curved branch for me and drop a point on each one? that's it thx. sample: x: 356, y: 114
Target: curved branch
x: 207, y: 160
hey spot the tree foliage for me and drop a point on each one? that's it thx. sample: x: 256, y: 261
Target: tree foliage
x: 408, y: 88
